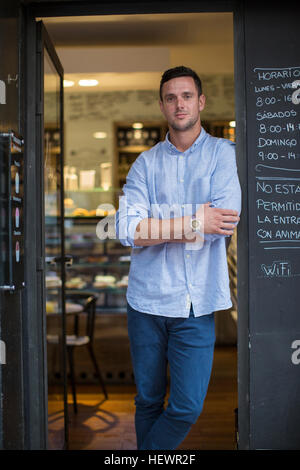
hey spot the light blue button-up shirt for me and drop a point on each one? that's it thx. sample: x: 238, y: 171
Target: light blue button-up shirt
x: 164, y: 279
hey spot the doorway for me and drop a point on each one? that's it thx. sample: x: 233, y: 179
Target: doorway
x: 49, y: 119
x: 218, y: 122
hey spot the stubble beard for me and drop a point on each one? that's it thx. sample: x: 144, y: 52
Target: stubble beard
x: 189, y: 125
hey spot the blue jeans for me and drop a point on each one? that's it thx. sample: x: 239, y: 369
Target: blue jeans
x: 187, y: 344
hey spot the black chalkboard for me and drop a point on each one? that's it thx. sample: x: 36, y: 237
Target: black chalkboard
x: 273, y: 149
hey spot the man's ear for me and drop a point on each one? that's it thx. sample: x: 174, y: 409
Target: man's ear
x: 202, y: 101
x: 161, y: 105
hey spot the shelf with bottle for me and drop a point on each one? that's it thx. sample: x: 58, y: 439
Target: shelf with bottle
x: 220, y: 128
x: 131, y: 139
x: 85, y: 178
x: 94, y: 196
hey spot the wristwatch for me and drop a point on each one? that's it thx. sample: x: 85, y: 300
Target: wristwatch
x: 195, y: 224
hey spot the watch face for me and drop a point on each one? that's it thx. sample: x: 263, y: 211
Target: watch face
x: 195, y: 224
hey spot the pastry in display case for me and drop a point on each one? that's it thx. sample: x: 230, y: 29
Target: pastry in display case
x: 123, y: 282
x: 52, y: 280
x: 69, y: 205
x: 80, y: 212
x: 99, y: 266
x: 101, y: 212
x: 102, y: 280
x: 51, y: 306
x: 75, y: 283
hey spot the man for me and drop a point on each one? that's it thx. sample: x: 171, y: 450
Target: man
x: 178, y: 274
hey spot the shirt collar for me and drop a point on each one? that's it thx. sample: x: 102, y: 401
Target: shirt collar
x: 174, y: 151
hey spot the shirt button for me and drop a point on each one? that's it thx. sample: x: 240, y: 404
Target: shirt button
x: 190, y: 284
x: 182, y: 180
x: 187, y: 256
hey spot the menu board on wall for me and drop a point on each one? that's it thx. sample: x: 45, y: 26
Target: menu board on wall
x: 269, y: 304
x: 274, y: 246
x: 11, y: 209
x: 276, y: 92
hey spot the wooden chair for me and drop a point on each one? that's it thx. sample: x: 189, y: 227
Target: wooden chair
x: 75, y: 340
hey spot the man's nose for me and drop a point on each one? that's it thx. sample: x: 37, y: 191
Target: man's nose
x: 180, y: 103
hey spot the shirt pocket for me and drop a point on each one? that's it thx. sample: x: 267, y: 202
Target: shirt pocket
x: 200, y: 190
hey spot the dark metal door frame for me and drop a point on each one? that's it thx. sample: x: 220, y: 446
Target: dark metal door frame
x: 80, y: 8
x: 44, y: 43
x: 34, y: 330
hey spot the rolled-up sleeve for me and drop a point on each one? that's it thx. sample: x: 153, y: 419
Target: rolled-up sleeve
x: 225, y: 185
x: 134, y: 204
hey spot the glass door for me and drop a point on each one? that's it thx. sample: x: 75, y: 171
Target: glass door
x: 51, y: 129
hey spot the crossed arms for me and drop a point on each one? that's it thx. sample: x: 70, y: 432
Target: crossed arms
x: 136, y: 225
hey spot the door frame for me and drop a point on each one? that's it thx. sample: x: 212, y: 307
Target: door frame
x: 79, y: 8
x: 35, y: 344
x: 44, y: 43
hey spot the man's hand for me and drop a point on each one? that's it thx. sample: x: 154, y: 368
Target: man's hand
x: 217, y: 221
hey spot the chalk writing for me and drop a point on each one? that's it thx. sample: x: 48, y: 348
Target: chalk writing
x: 276, y: 93
x: 277, y: 269
x: 258, y: 168
x: 289, y: 113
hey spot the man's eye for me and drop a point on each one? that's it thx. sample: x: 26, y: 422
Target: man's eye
x: 187, y: 96
x: 170, y: 99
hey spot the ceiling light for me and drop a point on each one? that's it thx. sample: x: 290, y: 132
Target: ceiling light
x: 232, y: 124
x: 89, y: 82
x: 68, y: 83
x: 137, y: 125
x: 100, y: 135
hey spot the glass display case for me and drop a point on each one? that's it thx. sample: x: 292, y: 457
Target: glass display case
x: 99, y: 266
x: 102, y: 266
